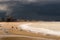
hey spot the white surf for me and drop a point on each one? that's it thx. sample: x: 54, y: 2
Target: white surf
x: 38, y: 30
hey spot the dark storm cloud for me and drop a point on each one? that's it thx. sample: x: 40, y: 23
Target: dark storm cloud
x: 33, y: 9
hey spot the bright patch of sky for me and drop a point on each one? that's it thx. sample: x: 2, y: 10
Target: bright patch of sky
x: 3, y: 7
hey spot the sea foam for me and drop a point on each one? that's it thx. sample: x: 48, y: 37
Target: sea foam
x: 38, y: 30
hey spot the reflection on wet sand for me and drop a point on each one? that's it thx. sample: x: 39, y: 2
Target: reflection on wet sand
x: 16, y: 38
x: 23, y: 38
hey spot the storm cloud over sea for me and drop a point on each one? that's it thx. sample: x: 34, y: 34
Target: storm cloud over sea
x: 31, y: 9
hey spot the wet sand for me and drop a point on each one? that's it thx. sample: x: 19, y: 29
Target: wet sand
x: 16, y: 38
x: 21, y: 38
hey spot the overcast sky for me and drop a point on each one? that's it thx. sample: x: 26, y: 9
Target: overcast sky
x: 44, y: 7
x: 27, y: 0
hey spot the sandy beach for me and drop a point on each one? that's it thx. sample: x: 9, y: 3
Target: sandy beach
x: 11, y: 28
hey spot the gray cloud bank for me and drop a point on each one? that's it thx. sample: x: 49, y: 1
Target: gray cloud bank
x: 31, y: 9
x: 29, y: 1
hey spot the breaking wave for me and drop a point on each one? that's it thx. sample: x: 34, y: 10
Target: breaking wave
x: 38, y: 30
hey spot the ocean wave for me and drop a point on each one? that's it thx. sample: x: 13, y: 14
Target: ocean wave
x: 38, y: 30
